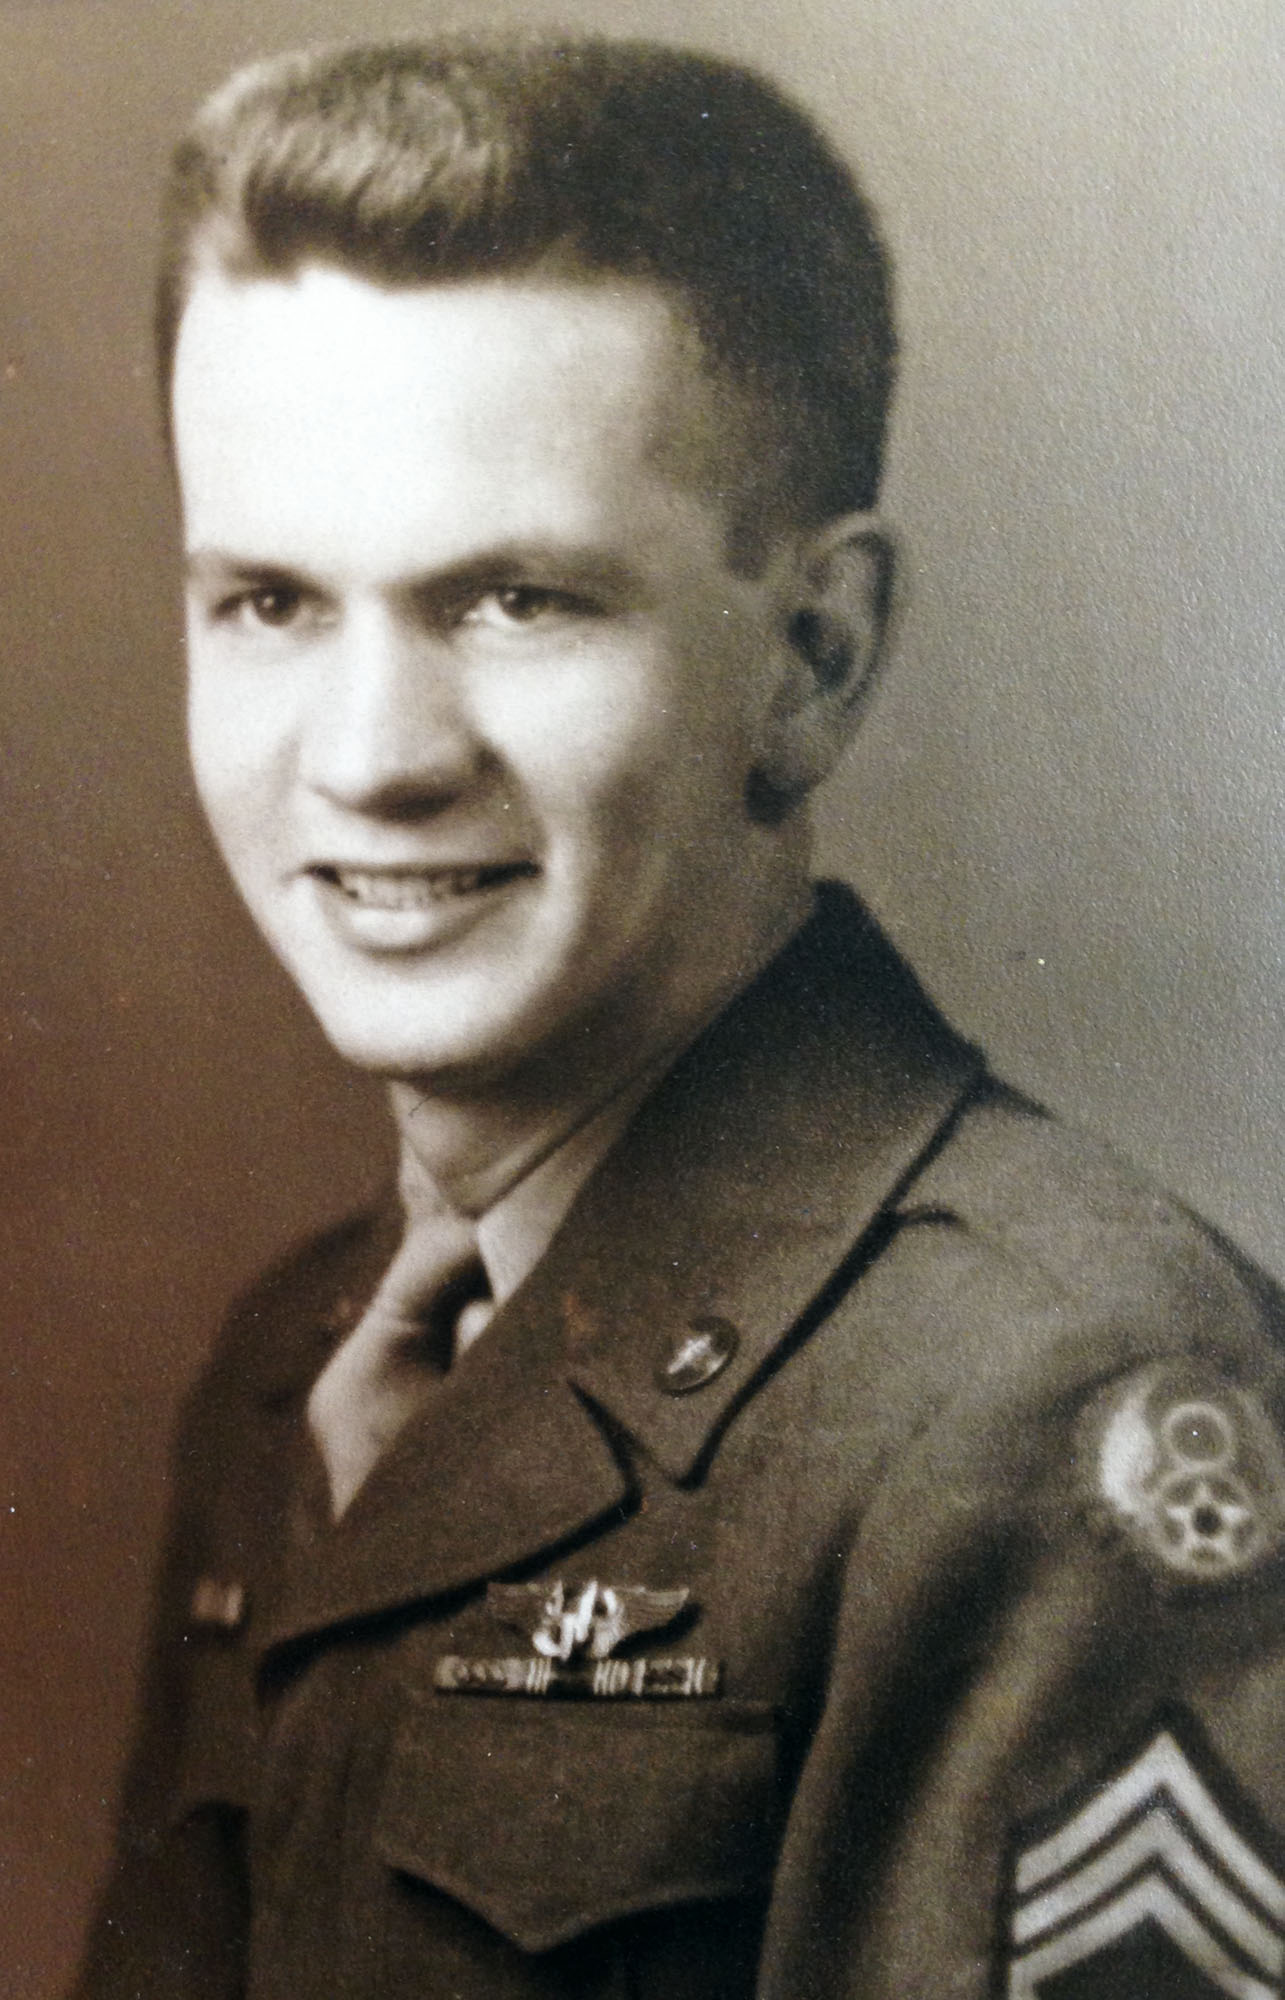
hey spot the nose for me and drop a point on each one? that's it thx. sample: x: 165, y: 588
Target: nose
x: 387, y: 731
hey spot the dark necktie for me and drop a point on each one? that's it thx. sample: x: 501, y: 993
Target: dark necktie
x: 434, y: 1291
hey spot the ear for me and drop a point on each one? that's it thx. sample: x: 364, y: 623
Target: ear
x: 836, y: 600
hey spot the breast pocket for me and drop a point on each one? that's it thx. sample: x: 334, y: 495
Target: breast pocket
x: 547, y: 1818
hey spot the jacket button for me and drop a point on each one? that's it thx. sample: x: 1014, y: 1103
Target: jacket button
x: 698, y: 1355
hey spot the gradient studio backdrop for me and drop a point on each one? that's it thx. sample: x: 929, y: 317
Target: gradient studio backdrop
x: 1066, y: 803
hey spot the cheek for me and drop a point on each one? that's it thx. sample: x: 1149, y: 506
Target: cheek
x: 584, y: 738
x: 236, y: 748
x: 238, y: 716
x: 628, y: 736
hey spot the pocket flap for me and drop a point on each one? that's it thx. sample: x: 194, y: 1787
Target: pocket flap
x: 547, y: 1818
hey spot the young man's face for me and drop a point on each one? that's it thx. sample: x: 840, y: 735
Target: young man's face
x: 474, y: 693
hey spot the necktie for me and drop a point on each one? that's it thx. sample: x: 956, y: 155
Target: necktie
x: 433, y: 1293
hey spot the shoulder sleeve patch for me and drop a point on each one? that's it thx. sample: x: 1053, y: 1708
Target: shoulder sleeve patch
x: 1145, y: 1886
x: 1190, y: 1468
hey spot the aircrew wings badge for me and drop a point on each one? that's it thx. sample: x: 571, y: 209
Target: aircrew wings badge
x: 591, y: 1621
x: 1145, y: 1887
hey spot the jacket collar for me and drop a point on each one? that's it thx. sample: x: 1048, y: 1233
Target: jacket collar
x: 749, y: 1183
x: 743, y: 1190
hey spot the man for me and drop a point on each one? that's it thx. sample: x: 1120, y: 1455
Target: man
x: 765, y: 1513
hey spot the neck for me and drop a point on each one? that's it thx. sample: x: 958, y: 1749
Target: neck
x: 476, y: 1143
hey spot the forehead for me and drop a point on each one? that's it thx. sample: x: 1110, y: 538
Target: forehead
x: 540, y: 386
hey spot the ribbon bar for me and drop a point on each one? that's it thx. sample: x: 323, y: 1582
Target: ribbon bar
x: 684, y: 1678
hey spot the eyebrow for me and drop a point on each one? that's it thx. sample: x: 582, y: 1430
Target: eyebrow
x: 218, y: 565
x: 574, y: 565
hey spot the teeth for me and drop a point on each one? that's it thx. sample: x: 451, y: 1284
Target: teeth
x: 413, y: 892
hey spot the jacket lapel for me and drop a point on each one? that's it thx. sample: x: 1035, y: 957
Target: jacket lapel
x: 503, y: 1463
x: 745, y: 1190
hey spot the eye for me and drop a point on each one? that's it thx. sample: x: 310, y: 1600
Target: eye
x: 274, y: 605
x: 523, y: 604
x: 250, y: 610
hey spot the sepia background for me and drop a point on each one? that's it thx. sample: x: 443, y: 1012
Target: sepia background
x: 1066, y: 805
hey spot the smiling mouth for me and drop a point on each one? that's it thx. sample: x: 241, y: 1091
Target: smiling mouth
x: 419, y: 888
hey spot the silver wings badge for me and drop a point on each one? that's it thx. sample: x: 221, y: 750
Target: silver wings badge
x: 573, y: 1633
x: 586, y: 1622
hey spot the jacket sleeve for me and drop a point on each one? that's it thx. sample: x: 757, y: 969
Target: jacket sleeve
x: 1050, y: 1760
x: 172, y: 1918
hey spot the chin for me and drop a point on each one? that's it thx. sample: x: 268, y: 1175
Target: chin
x: 399, y: 1052
x: 453, y: 1032
x: 392, y: 1055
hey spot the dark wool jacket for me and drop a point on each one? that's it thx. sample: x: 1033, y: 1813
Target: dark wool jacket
x: 963, y: 1445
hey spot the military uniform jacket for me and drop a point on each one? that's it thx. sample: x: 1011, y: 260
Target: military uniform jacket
x: 849, y: 1566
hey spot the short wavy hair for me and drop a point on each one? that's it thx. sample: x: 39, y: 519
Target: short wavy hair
x: 413, y: 162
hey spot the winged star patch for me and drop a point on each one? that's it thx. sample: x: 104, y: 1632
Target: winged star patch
x: 1145, y: 1887
x: 1190, y: 1469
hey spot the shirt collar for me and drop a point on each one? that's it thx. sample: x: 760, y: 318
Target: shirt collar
x: 514, y: 1233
